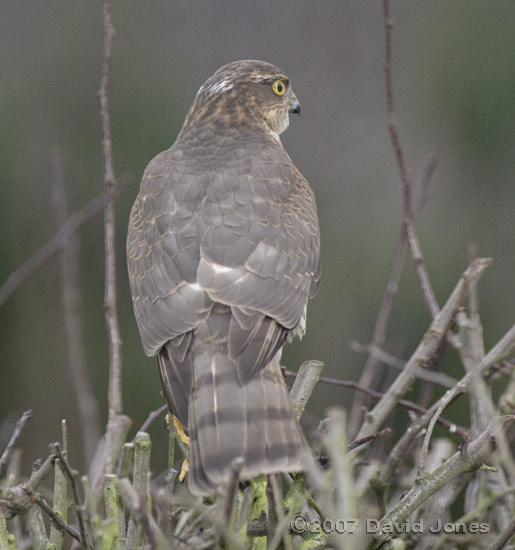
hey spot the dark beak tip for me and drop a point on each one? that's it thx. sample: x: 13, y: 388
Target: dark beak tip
x: 295, y: 109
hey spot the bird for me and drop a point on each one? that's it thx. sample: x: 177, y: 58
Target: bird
x: 223, y: 254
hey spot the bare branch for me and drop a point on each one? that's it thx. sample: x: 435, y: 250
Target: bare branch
x: 432, y: 377
x: 36, y: 527
x: 476, y: 453
x: 383, y: 317
x: 277, y: 523
x: 142, y: 448
x: 60, y: 500
x: 504, y: 536
x: 4, y: 459
x: 71, y: 298
x: 56, y: 520
x: 305, y: 382
x: 113, y: 512
x: 47, y: 251
x: 137, y: 505
x: 425, y: 352
x: 416, y: 252
x: 63, y: 462
x: 359, y: 442
x: 504, y: 347
x: 115, y: 359
x: 151, y: 417
x: 374, y: 394
x: 230, y: 489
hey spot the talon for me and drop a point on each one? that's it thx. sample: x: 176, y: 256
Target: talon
x: 185, y: 468
x: 180, y: 431
x: 168, y: 421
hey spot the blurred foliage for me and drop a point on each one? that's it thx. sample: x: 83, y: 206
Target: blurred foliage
x: 454, y: 75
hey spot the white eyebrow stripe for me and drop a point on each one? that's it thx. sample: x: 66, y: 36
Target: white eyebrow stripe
x: 218, y: 87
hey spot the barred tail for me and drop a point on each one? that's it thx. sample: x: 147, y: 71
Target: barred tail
x: 228, y: 420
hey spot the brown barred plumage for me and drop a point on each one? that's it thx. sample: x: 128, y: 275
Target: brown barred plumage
x: 223, y: 254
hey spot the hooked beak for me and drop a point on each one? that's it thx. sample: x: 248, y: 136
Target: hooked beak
x: 294, y: 106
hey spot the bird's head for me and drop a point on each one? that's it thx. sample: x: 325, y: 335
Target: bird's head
x: 245, y: 94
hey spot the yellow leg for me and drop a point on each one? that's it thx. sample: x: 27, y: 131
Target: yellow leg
x: 184, y: 439
x: 180, y: 431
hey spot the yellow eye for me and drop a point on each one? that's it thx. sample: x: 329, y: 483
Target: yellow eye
x: 279, y: 87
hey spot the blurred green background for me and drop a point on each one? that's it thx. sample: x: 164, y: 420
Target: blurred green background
x: 454, y: 74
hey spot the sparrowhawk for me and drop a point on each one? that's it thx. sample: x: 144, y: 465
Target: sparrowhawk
x: 223, y: 253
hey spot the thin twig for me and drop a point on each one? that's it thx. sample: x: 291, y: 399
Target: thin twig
x: 305, y: 382
x: 477, y: 452
x: 426, y: 351
x: 416, y: 252
x: 71, y: 298
x: 4, y: 459
x: 433, y: 377
x: 136, y: 503
x: 36, y: 528
x: 383, y: 317
x: 474, y: 514
x: 140, y: 483
x: 473, y: 374
x: 151, y: 417
x: 246, y: 505
x: 115, y: 359
x: 359, y: 442
x: 63, y: 462
x: 48, y: 250
x: 448, y: 399
x: 504, y: 536
x: 39, y: 474
x: 56, y: 520
x: 230, y: 489
x: 113, y: 512
x: 374, y: 394
x: 60, y: 500
x: 504, y: 347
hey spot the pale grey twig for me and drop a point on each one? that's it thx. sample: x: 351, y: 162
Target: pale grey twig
x: 433, y: 377
x: 4, y: 534
x: 505, y: 346
x: 305, y: 382
x: 63, y: 462
x: 410, y: 405
x: 416, y: 252
x: 71, y: 299
x: 113, y: 512
x: 59, y: 523
x: 469, y: 460
x: 151, y: 417
x: 504, y: 536
x: 277, y: 523
x: 36, y: 527
x: 11, y: 444
x: 425, y: 352
x: 474, y: 514
x: 48, y: 250
x: 142, y: 447
x: 136, y: 503
x: 246, y: 505
x: 60, y: 500
x: 111, y: 315
x: 383, y: 316
x: 20, y: 275
x: 230, y: 488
